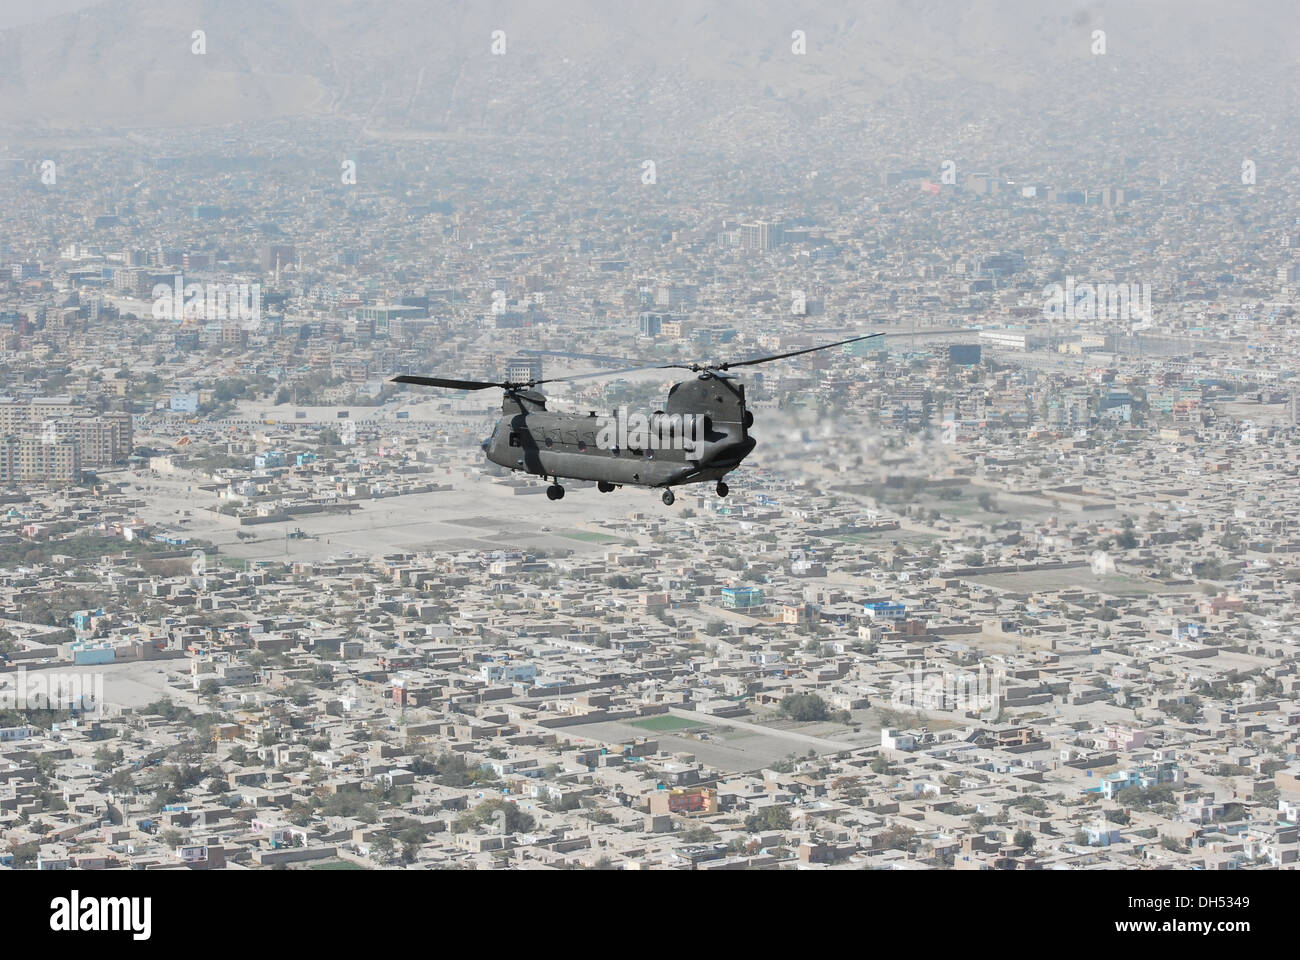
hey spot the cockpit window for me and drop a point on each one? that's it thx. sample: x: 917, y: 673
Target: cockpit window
x: 514, y: 439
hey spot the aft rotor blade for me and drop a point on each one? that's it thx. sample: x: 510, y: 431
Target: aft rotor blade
x: 794, y: 353
x: 449, y: 384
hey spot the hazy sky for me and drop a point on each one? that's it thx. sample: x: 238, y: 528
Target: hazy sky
x: 16, y: 13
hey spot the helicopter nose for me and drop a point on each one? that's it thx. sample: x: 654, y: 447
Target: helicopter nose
x: 485, y: 444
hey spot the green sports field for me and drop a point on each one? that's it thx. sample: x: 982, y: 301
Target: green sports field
x: 587, y: 536
x: 663, y: 723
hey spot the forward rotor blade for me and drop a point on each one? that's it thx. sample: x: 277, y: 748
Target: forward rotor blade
x: 612, y: 373
x: 483, y: 385
x: 794, y: 353
x: 449, y: 384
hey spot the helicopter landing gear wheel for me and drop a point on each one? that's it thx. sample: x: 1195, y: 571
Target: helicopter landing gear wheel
x: 668, y: 498
x: 604, y: 487
x: 722, y: 489
x: 555, y: 492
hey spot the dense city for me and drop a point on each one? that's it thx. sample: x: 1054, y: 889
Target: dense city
x: 1010, y: 587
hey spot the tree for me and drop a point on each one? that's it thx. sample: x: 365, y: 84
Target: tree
x: 699, y: 834
x: 24, y: 853
x: 499, y: 813
x: 897, y: 837
x: 1034, y: 805
x: 768, y: 818
x: 121, y: 782
x: 804, y: 707
x: 383, y: 847
x: 1024, y: 840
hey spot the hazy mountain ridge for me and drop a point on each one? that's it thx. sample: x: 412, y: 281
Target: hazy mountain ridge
x: 579, y: 65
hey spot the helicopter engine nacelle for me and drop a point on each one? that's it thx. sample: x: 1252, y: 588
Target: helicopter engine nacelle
x: 679, y: 431
x: 718, y: 406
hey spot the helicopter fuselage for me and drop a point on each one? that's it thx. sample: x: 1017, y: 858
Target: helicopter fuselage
x: 701, y: 435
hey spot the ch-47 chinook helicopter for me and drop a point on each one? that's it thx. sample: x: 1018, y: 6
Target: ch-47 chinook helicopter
x: 702, y: 435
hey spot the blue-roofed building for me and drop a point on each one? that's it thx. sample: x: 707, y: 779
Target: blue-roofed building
x: 885, y: 610
x: 742, y: 598
x: 271, y: 458
x: 83, y: 654
x: 1143, y: 777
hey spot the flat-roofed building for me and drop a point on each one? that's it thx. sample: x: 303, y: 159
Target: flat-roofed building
x: 39, y: 460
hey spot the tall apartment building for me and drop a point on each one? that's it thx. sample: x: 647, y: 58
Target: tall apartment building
x: 14, y: 416
x: 39, y: 460
x: 761, y: 236
x: 132, y: 281
x: 675, y: 295
x: 101, y: 438
x: 523, y: 369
